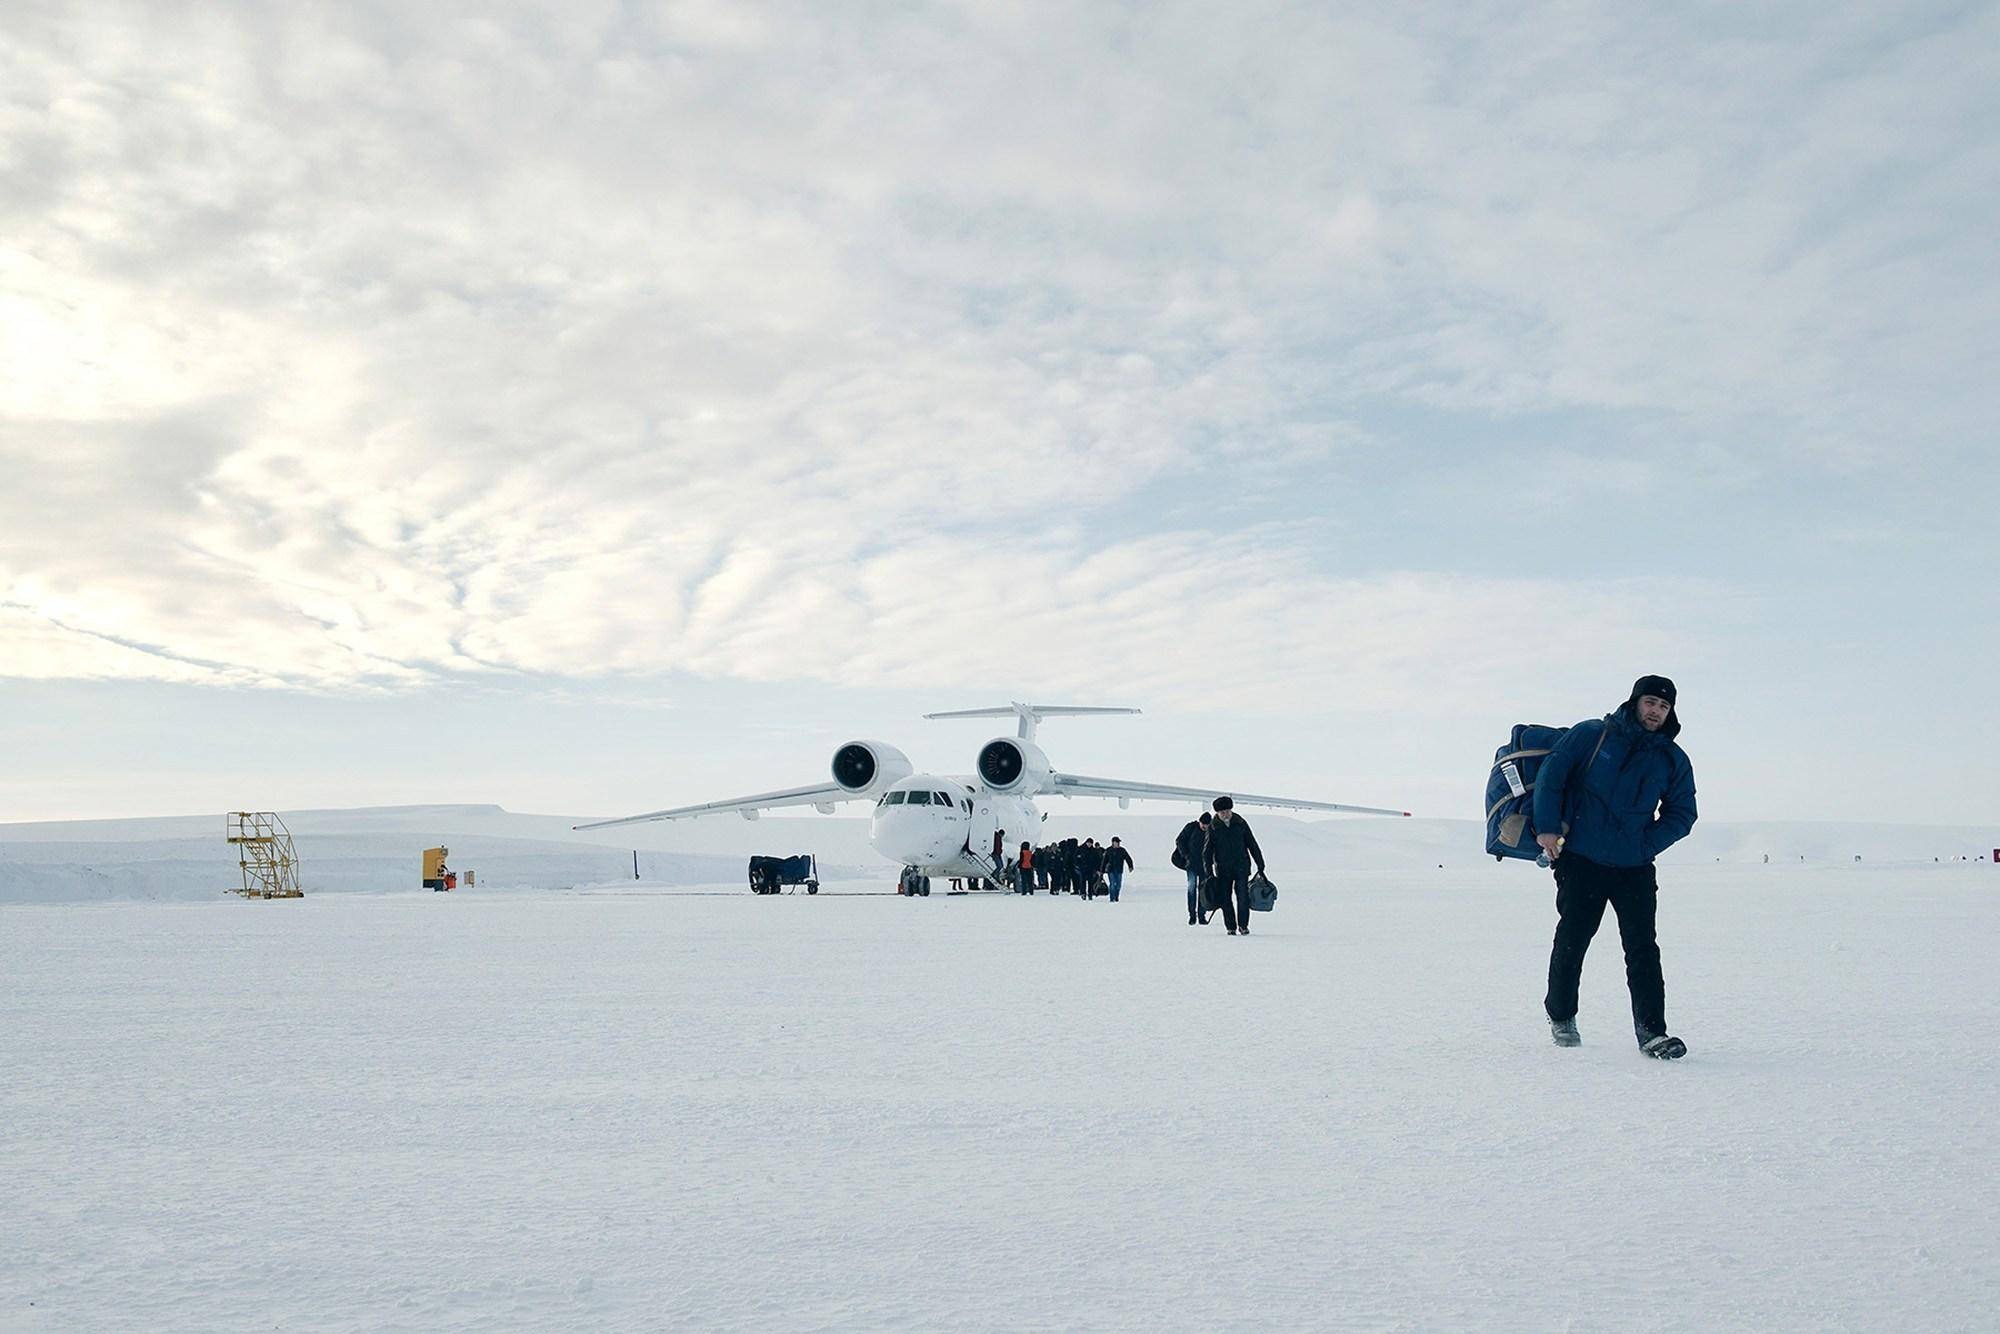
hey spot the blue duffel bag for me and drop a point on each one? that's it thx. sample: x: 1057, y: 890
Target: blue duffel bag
x: 1510, y: 791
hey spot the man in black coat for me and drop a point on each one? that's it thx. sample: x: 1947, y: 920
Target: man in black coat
x: 1191, y: 844
x: 1227, y: 856
x: 1117, y: 862
x: 1090, y: 863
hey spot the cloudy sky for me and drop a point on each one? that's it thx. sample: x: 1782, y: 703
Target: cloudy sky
x: 591, y: 407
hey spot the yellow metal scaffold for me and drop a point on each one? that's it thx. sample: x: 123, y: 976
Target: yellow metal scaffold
x: 264, y: 850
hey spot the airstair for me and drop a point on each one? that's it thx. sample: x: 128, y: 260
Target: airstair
x: 264, y: 851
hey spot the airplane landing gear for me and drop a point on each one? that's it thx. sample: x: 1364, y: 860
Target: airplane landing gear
x: 914, y: 883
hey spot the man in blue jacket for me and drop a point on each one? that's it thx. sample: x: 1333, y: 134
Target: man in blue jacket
x: 1622, y: 791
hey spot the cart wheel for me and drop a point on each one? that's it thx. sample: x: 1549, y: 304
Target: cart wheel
x: 812, y: 886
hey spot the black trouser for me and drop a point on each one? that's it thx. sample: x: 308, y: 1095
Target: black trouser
x: 1583, y: 887
x: 1232, y: 888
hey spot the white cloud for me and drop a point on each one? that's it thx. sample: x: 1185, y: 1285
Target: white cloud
x: 355, y: 348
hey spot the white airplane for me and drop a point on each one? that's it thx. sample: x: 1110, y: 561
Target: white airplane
x: 947, y: 826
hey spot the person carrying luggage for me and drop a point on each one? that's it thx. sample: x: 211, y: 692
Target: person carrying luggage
x: 1226, y: 858
x: 1190, y: 847
x: 1628, y: 792
x: 1090, y: 865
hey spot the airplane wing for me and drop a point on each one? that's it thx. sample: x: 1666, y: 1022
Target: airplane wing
x: 823, y: 796
x: 1078, y: 785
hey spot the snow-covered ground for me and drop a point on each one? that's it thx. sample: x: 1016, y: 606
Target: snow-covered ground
x: 640, y: 1108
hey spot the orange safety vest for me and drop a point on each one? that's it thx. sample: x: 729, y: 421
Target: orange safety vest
x: 1028, y: 858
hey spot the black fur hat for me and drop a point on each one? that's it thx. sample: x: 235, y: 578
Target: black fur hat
x: 1658, y: 686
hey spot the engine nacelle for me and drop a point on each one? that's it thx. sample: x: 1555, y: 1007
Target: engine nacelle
x: 868, y: 767
x: 1008, y: 764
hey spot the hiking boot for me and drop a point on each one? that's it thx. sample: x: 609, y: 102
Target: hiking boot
x: 1664, y: 1047
x: 1564, y: 1032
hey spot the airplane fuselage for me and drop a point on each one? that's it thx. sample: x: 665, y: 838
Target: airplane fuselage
x: 945, y: 826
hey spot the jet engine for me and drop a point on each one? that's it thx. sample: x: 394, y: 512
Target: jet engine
x: 1007, y: 764
x: 867, y: 767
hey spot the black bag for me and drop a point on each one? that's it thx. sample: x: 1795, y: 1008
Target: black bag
x: 1179, y: 859
x: 1263, y: 894
x: 1214, y: 894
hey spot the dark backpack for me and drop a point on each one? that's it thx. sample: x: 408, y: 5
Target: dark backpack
x: 1510, y: 790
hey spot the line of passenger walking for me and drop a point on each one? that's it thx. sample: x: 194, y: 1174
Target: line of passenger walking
x: 1083, y: 867
x: 1216, y: 850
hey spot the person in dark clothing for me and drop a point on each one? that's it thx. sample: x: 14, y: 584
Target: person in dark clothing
x: 1090, y: 864
x: 1117, y: 862
x: 1226, y: 856
x: 1627, y: 790
x: 1043, y: 857
x: 1192, y: 843
x: 1068, y: 865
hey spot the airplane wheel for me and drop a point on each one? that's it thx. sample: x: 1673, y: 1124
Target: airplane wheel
x: 924, y: 886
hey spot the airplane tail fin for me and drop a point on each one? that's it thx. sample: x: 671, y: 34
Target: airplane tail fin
x: 1030, y: 714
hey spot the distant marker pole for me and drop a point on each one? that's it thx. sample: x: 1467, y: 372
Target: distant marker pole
x: 635, y: 863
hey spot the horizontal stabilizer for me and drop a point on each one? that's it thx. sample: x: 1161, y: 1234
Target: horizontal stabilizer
x: 1030, y: 714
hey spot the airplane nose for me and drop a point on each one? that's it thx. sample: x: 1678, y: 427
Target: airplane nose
x: 902, y: 836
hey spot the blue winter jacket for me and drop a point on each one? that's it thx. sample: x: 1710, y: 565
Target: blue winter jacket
x: 1634, y: 802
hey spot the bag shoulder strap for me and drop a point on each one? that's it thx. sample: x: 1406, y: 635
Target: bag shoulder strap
x: 1599, y: 746
x: 1569, y: 792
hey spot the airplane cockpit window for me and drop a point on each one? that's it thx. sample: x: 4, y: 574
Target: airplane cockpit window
x: 920, y: 798
x: 941, y: 798
x: 892, y: 798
